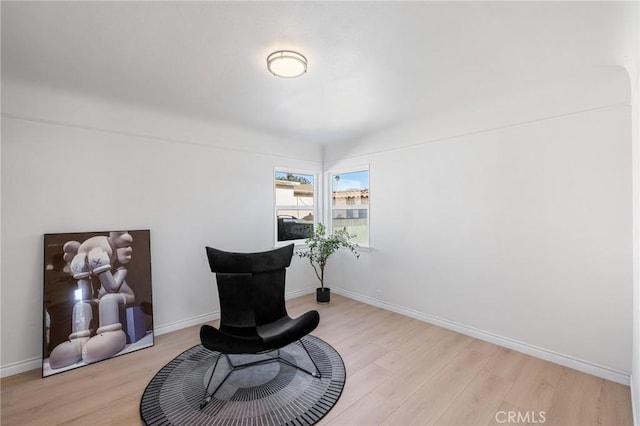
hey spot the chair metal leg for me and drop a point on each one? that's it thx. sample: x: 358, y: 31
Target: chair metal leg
x: 319, y: 375
x: 316, y: 373
x: 208, y: 396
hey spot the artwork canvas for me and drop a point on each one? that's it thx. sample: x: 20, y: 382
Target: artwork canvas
x: 97, y: 297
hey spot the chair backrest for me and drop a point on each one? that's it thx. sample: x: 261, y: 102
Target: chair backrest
x: 250, y: 287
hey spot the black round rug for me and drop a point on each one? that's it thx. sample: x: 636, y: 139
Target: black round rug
x: 266, y: 394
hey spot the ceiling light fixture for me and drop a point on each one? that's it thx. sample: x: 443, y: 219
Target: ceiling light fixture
x: 286, y: 64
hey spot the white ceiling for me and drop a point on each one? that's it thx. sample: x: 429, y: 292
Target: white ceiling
x: 371, y: 64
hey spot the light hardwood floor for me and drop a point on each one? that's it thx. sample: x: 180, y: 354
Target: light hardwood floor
x: 400, y: 371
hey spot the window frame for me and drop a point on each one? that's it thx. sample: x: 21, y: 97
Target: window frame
x: 328, y: 214
x: 317, y: 208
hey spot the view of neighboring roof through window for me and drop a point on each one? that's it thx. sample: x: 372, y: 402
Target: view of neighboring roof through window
x: 350, y: 203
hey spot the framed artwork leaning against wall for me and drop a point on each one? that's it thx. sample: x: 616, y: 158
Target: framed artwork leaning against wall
x: 97, y: 297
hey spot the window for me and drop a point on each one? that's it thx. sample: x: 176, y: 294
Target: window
x: 295, y: 205
x: 350, y: 203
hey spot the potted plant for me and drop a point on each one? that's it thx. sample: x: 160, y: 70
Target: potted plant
x: 320, y: 247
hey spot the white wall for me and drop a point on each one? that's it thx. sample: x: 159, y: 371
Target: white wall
x: 71, y: 163
x: 635, y: 368
x: 635, y: 131
x: 511, y: 221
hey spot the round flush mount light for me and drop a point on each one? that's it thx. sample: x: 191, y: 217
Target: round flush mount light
x: 286, y: 64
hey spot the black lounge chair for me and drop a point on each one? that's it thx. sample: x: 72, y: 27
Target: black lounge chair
x: 253, y: 315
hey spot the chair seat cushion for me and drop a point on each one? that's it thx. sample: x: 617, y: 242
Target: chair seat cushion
x: 285, y: 330
x: 216, y: 340
x: 267, y: 337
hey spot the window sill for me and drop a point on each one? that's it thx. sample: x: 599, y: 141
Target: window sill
x: 364, y: 248
x: 301, y: 245
x: 296, y: 243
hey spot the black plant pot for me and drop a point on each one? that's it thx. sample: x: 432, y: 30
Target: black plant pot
x: 323, y: 295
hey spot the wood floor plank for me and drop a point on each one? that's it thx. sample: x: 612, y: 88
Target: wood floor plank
x: 357, y: 386
x: 535, y: 385
x: 506, y: 363
x: 415, y: 348
x: 402, y: 385
x: 372, y: 409
x: 433, y: 398
x: 363, y: 355
x: 478, y: 403
x: 615, y: 406
x: 399, y: 331
x: 576, y: 400
x: 400, y: 371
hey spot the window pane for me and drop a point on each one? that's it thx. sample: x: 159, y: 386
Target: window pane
x: 355, y: 221
x: 294, y: 224
x: 350, y: 189
x: 294, y: 205
x: 294, y: 189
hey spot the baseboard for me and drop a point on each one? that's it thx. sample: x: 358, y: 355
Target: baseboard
x: 298, y: 293
x: 36, y: 363
x: 21, y: 367
x: 542, y: 353
x: 189, y: 322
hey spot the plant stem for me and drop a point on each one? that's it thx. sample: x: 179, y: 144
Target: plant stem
x: 320, y: 277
